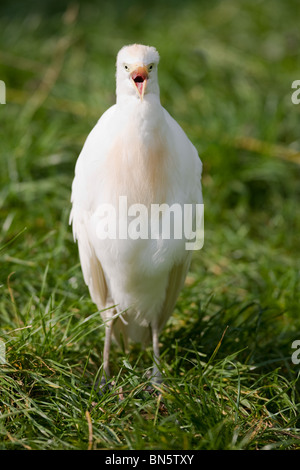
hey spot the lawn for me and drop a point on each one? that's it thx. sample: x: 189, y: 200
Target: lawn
x: 226, y: 73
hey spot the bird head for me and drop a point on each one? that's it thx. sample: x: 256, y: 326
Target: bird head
x: 137, y: 71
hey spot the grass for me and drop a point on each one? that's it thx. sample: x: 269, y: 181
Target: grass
x: 225, y: 74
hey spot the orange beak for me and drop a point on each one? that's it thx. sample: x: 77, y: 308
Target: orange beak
x: 139, y: 76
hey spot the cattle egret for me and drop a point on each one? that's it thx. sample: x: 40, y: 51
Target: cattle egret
x: 138, y: 151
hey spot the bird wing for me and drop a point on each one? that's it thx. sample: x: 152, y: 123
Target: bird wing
x: 83, y: 203
x: 175, y: 283
x: 188, y: 161
x: 91, y: 267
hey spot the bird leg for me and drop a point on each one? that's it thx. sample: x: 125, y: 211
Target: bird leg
x: 106, y: 351
x: 156, y: 375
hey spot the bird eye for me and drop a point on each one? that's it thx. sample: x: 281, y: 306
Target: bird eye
x: 150, y: 67
x: 126, y: 67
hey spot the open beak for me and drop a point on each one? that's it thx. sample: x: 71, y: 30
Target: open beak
x: 139, y: 76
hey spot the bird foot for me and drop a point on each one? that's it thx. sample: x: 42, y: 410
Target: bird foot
x: 156, y: 377
x: 156, y: 381
x: 102, y: 386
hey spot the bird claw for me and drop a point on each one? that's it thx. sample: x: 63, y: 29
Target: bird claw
x: 156, y: 379
x: 102, y: 386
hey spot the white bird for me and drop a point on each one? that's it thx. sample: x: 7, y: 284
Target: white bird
x: 136, y: 150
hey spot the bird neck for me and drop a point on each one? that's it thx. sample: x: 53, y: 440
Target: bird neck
x: 141, y: 118
x: 132, y: 101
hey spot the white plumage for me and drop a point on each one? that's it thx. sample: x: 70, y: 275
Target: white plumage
x: 139, y: 151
